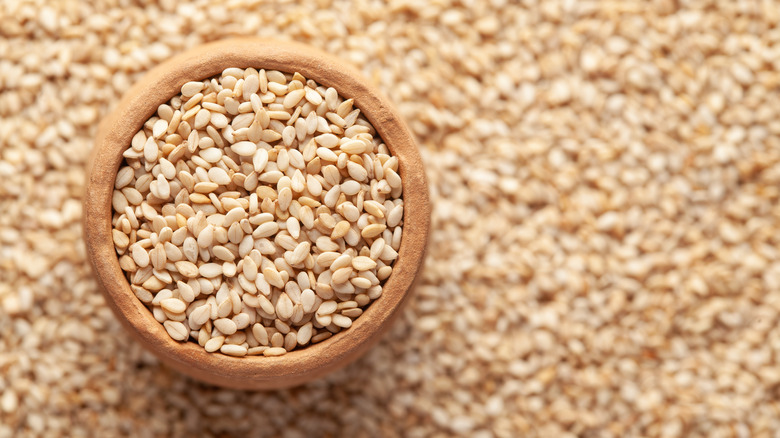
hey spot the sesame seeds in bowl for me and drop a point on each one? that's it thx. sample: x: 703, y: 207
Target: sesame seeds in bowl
x: 257, y: 212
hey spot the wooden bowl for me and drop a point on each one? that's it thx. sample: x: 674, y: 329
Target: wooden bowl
x: 140, y: 102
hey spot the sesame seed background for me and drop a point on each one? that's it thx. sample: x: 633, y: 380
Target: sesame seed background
x: 604, y: 260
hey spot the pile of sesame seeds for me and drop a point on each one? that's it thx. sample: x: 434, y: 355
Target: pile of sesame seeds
x: 603, y: 257
x: 257, y: 212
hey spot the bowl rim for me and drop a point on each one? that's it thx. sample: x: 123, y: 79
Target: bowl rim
x: 141, y: 101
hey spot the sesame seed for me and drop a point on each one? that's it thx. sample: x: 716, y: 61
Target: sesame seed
x: 274, y: 351
x: 176, y: 330
x: 173, y: 305
x: 233, y: 350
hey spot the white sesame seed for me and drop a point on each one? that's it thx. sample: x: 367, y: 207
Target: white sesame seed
x: 225, y: 326
x: 214, y: 344
x: 327, y: 140
x: 274, y: 351
x: 373, y: 230
x: 206, y: 237
x: 176, y: 330
x: 186, y: 268
x: 151, y: 150
x: 219, y: 176
x: 350, y: 187
x: 233, y: 350
x: 160, y: 127
x: 284, y: 307
x: 293, y: 97
x: 200, y: 315
x: 363, y: 263
x: 353, y: 147
x: 173, y: 305
x: 251, y: 86
x: 244, y: 148
x: 140, y: 256
x: 341, y: 321
x: 266, y: 229
x: 327, y: 308
x: 191, y: 88
x: 210, y: 270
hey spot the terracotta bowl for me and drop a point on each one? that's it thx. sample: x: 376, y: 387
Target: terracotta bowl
x: 141, y: 102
